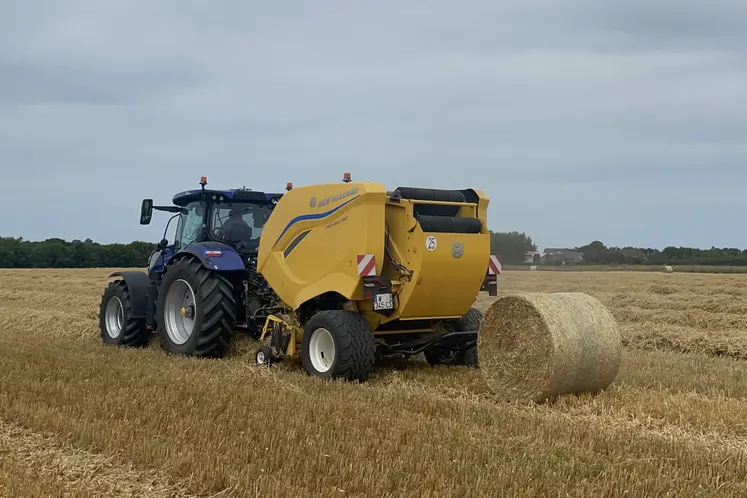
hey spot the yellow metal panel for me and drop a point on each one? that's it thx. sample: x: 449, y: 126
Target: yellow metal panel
x: 336, y: 222
x: 444, y: 286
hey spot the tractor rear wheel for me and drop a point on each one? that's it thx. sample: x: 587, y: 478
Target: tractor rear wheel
x: 115, y: 318
x: 195, y: 311
x: 466, y: 357
x: 338, y: 344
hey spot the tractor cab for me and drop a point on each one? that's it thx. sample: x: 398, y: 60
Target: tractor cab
x: 233, y: 217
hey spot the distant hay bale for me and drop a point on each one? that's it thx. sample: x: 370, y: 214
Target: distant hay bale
x: 532, y: 268
x: 536, y: 347
x: 668, y: 269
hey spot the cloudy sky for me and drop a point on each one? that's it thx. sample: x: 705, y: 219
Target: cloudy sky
x: 581, y: 119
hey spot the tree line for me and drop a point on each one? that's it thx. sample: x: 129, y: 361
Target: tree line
x: 58, y: 253
x: 511, y: 246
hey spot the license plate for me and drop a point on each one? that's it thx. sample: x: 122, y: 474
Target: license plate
x: 383, y: 301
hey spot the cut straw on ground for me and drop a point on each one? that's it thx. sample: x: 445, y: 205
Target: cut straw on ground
x: 670, y: 424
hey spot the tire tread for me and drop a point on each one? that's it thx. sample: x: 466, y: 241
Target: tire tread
x: 356, y: 348
x: 468, y: 357
x: 215, y: 297
x: 134, y: 333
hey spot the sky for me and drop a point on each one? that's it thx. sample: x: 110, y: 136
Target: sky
x: 582, y: 120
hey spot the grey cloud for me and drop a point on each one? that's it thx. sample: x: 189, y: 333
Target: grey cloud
x: 629, y: 115
x: 689, y: 23
x: 27, y: 84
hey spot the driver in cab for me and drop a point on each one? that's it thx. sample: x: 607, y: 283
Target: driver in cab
x: 235, y: 228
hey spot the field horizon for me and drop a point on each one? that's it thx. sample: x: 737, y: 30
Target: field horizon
x: 718, y: 269
x: 78, y: 418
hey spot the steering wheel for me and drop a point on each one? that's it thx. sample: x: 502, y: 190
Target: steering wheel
x: 240, y: 244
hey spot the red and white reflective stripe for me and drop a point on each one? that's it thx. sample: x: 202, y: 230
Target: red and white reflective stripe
x: 366, y: 265
x: 495, y: 267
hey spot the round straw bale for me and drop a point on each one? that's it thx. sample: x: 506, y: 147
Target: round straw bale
x: 532, y: 268
x: 536, y: 347
x: 668, y: 269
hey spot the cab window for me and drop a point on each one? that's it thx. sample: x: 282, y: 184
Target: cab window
x: 239, y: 221
x: 191, y: 224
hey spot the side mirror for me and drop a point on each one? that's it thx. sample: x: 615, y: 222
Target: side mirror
x: 146, y: 211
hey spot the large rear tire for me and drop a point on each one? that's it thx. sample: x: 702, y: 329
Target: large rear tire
x: 115, y: 318
x: 338, y: 344
x: 195, y: 311
x: 466, y: 357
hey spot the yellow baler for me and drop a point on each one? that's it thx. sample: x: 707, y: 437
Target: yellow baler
x: 371, y: 274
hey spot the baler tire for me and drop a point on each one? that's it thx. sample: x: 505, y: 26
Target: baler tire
x: 355, y: 349
x: 263, y: 356
x: 467, y: 357
x: 216, y: 310
x: 132, y: 331
x: 470, y: 321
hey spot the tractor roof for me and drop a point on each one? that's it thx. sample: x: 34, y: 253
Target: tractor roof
x: 235, y: 195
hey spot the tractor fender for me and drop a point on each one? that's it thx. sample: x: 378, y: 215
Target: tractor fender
x: 137, y: 283
x: 228, y: 260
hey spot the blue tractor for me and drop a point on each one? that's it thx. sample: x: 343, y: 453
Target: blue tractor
x: 211, y: 268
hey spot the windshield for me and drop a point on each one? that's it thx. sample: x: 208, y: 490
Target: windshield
x: 239, y: 222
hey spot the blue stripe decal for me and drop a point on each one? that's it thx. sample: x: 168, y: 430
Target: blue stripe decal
x: 315, y: 216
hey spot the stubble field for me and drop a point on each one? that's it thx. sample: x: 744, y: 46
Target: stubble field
x: 81, y: 419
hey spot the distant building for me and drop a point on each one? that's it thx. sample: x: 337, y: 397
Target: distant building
x: 561, y: 256
x: 532, y: 257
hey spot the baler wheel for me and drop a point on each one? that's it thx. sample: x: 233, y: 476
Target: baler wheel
x: 115, y: 318
x: 264, y: 356
x: 467, y: 357
x: 338, y: 344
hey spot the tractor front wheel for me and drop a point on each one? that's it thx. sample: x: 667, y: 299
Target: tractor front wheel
x: 115, y: 318
x: 338, y: 344
x: 196, y: 310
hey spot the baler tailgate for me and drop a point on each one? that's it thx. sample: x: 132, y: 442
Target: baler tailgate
x: 447, y: 245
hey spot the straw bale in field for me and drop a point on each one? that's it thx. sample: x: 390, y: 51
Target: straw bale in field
x: 668, y: 269
x: 536, y: 347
